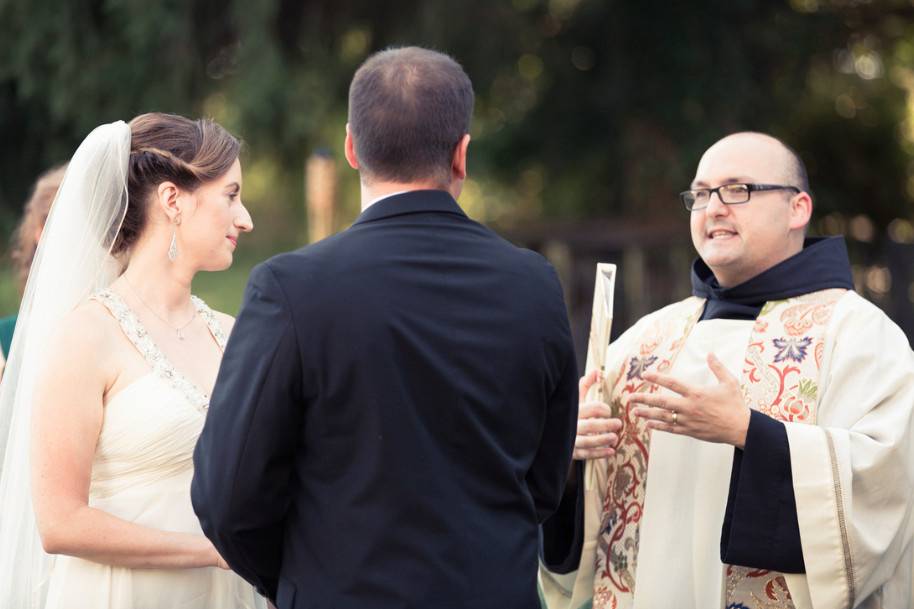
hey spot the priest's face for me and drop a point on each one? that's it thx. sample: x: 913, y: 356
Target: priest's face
x: 742, y: 240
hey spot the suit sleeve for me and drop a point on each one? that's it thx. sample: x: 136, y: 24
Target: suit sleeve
x: 244, y: 456
x: 563, y: 532
x: 549, y: 471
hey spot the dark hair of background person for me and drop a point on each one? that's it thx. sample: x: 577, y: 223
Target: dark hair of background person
x: 34, y: 216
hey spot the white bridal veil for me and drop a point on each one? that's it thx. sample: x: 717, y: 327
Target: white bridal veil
x: 73, y: 260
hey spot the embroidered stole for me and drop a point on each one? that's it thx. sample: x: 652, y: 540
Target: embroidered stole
x: 780, y: 378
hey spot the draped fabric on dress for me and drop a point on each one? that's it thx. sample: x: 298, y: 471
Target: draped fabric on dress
x: 141, y: 473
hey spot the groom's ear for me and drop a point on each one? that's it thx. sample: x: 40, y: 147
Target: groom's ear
x: 351, y: 158
x: 459, y: 162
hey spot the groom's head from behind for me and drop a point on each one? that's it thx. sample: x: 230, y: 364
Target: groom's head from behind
x: 409, y: 118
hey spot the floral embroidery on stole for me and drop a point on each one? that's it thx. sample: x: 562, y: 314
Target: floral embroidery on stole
x: 780, y: 379
x: 623, y: 504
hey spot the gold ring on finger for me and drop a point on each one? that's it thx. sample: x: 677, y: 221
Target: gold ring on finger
x: 675, y: 417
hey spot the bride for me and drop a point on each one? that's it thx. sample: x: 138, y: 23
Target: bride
x: 110, y: 371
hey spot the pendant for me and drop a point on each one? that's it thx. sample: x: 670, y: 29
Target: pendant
x: 180, y: 336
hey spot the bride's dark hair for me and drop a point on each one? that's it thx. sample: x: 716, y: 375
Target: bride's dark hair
x: 170, y: 148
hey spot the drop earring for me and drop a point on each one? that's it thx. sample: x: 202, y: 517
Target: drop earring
x: 173, y: 247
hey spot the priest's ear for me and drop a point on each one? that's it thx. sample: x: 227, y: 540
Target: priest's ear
x: 800, y: 211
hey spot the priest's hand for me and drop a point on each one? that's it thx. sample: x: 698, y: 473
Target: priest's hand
x: 714, y: 413
x: 597, y: 435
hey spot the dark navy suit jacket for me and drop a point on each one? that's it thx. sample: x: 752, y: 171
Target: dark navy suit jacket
x: 393, y: 418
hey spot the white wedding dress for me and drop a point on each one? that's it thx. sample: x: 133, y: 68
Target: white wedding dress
x: 142, y: 473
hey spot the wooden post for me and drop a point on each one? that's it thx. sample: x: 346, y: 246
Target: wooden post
x: 320, y: 194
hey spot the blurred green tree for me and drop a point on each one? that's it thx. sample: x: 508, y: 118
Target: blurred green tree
x: 585, y: 108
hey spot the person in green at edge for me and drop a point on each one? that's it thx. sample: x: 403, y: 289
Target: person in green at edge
x: 25, y: 243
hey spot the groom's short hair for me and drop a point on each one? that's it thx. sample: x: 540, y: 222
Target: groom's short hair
x: 408, y: 109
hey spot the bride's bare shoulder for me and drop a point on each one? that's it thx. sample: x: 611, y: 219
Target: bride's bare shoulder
x: 89, y: 327
x: 82, y: 347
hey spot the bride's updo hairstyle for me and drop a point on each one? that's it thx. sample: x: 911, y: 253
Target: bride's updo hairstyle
x: 170, y: 148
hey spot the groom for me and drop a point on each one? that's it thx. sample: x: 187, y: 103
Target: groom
x: 396, y: 409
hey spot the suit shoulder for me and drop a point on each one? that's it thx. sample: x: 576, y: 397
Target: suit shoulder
x: 508, y: 245
x: 312, y: 255
x: 532, y: 259
x: 539, y: 264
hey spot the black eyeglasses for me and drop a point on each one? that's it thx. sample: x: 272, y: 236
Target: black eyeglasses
x: 729, y: 194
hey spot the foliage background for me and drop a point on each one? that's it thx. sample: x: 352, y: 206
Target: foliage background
x: 590, y: 117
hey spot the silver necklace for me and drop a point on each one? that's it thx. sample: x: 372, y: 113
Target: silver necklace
x: 179, y: 330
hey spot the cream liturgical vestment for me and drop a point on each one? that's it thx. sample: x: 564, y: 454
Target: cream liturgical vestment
x: 814, y: 512
x: 141, y: 473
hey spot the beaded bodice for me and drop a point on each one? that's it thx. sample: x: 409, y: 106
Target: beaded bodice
x: 157, y: 361
x: 151, y: 426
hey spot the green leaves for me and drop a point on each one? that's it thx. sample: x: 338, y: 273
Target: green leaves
x: 584, y: 107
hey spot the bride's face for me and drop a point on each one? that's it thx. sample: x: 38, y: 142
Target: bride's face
x: 216, y: 220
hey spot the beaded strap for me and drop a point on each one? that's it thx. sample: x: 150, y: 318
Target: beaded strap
x: 143, y: 342
x: 215, y: 328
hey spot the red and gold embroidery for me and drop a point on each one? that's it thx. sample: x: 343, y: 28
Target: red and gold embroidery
x: 623, y: 504
x: 779, y: 378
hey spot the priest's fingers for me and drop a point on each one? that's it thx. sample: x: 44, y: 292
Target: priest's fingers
x: 594, y: 410
x: 720, y: 371
x: 659, y: 426
x: 598, y: 425
x: 667, y: 381
x: 603, y: 440
x: 593, y: 453
x: 586, y: 383
x: 659, y: 400
x: 660, y: 415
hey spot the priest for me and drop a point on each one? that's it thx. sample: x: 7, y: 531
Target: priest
x: 755, y: 448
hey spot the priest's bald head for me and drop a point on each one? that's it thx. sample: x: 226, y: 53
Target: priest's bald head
x: 749, y: 206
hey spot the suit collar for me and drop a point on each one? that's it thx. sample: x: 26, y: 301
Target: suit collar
x: 412, y: 202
